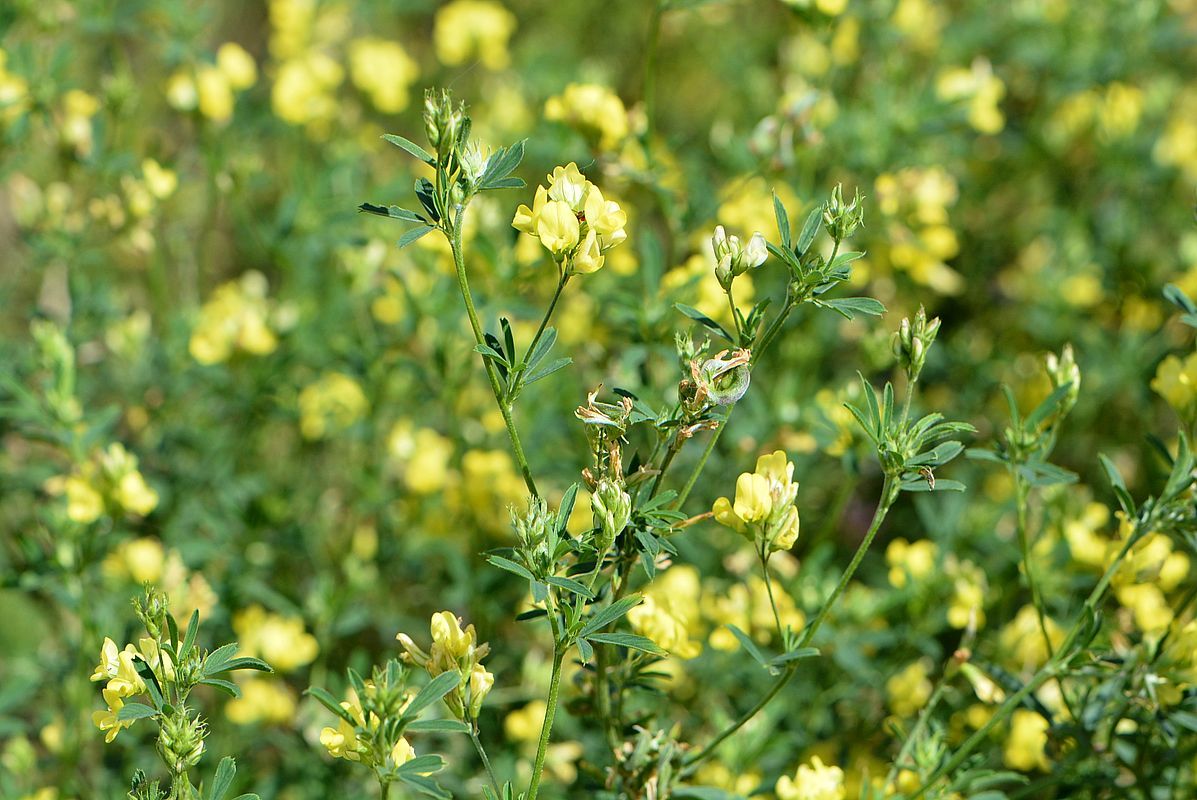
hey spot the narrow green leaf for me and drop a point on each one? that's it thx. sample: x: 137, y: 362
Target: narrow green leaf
x: 783, y: 220
x: 393, y: 212
x: 794, y: 655
x: 328, y: 701
x: 809, y: 230
x: 609, y: 614
x: 749, y: 645
x: 422, y: 765
x: 630, y: 641
x: 848, y: 307
x: 410, y: 147
x: 941, y: 485
x: 434, y: 690
x: 548, y: 369
x: 189, y: 637
x: 585, y: 650
x: 414, y: 234
x: 228, y: 687
x: 570, y: 585
x: 438, y: 726
x: 547, y: 340
x: 248, y: 662
x: 131, y: 711
x: 223, y: 781
x: 510, y: 566
x: 704, y: 320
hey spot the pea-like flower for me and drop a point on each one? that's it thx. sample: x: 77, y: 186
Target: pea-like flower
x: 735, y: 257
x: 764, y: 510
x: 454, y: 649
x: 573, y: 220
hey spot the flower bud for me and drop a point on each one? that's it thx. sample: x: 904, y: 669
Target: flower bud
x: 473, y: 159
x: 842, y: 219
x: 1062, y: 370
x: 181, y: 741
x: 611, y: 507
x: 481, y: 682
x: 912, y: 340
x: 733, y: 258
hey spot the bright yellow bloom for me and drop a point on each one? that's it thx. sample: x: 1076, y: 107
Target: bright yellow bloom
x: 669, y: 613
x: 915, y: 560
x: 1026, y: 743
x: 117, y: 667
x: 589, y: 257
x: 262, y: 700
x: 84, y: 503
x: 526, y: 218
x: 467, y: 29
x: 237, y: 65
x: 606, y: 217
x: 764, y: 504
x: 1022, y: 640
x: 236, y: 318
x: 557, y: 227
x: 594, y: 110
x: 215, y: 94
x: 331, y: 404
x: 402, y: 752
x: 570, y: 186
x: 909, y: 690
x: 341, y: 741
x: 816, y: 781
x: 384, y: 71
x: 280, y: 641
x: 1176, y: 382
x: 107, y: 720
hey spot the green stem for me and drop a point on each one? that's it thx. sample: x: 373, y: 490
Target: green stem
x: 674, y: 447
x: 547, y: 728
x: 764, y: 555
x: 490, y: 772
x: 917, y: 731
x: 702, y: 460
x: 889, y: 493
x: 543, y: 324
x: 491, y: 372
x: 1021, y: 491
x: 385, y: 789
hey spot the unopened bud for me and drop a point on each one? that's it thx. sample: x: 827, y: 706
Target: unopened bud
x: 611, y: 508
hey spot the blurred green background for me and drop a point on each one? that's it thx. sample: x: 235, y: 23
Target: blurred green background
x: 277, y: 415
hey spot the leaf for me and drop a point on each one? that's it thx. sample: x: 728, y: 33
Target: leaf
x: 1176, y: 296
x: 783, y: 220
x: 132, y: 711
x: 228, y: 687
x: 223, y: 781
x: 189, y: 637
x: 328, y: 701
x: 704, y: 320
x: 983, y: 454
x: 506, y: 183
x: 491, y: 353
x: 630, y: 641
x: 810, y: 229
x: 425, y: 191
x: 438, y: 726
x: 423, y: 764
x: 434, y: 690
x: 1120, y: 491
x: 794, y: 655
x: 937, y: 456
x: 423, y: 784
x: 850, y: 306
x: 749, y: 645
x: 248, y: 662
x: 585, y: 650
x: 510, y: 566
x: 941, y: 485
x: 410, y: 147
x: 501, y: 164
x: 785, y: 255
x: 215, y: 661
x: 570, y: 585
x: 547, y: 340
x: 394, y: 212
x: 609, y: 614
x: 414, y: 234
x: 567, y: 505
x: 549, y: 369
x: 843, y: 259
x: 1041, y: 473
x: 1047, y: 407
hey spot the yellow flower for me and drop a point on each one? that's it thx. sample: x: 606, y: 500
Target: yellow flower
x: 669, y: 613
x: 333, y: 403
x: 384, y: 71
x: 107, y: 720
x: 526, y: 218
x: 235, y: 318
x: 914, y: 560
x: 303, y: 91
x: 134, y: 494
x: 281, y: 641
x: 570, y: 186
x: 237, y: 66
x: 1176, y: 382
x: 473, y: 28
x: 402, y: 752
x: 341, y: 741
x: 589, y: 257
x: 605, y: 217
x: 909, y: 690
x: 1025, y: 745
x: 594, y: 110
x: 160, y: 181
x: 181, y: 92
x: 816, y: 781
x: 1022, y: 640
x: 448, y: 635
x: 84, y: 503
x: 215, y: 94
x: 557, y: 227
x: 764, y: 503
x: 262, y: 700
x: 523, y: 725
x: 117, y: 667
x: 424, y: 455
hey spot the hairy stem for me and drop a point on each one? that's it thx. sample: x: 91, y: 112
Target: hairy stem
x: 547, y: 727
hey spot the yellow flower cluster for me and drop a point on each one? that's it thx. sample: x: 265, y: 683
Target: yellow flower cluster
x: 145, y: 560
x: 14, y: 92
x: 117, y: 668
x: 345, y: 741
x: 910, y: 689
x: 1150, y: 570
x: 212, y: 88
x: 107, y: 481
x: 812, y: 781
x: 235, y: 318
x: 330, y: 404
x: 573, y: 220
x: 454, y: 649
x: 281, y: 641
x: 1021, y: 640
x: 422, y: 454
x: 1026, y: 742
x: 980, y: 89
x: 307, y: 76
x: 746, y: 605
x: 78, y: 107
x: 910, y: 561
x: 915, y: 204
x: 1177, y: 146
x: 669, y: 613
x: 594, y: 111
x: 764, y: 510
x: 262, y: 700
x: 1113, y: 112
x: 468, y: 29
x: 1176, y: 381
x: 384, y: 71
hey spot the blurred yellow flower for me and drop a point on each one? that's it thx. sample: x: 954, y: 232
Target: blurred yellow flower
x: 468, y: 29
x: 980, y: 89
x: 303, y: 91
x: 262, y: 700
x: 909, y: 690
x: 215, y: 94
x: 235, y: 318
x: 907, y: 560
x: 593, y: 110
x: 281, y: 641
x: 813, y: 781
x: 1026, y: 742
x: 670, y: 612
x: 1021, y: 640
x: 14, y: 92
x: 423, y: 455
x: 237, y: 65
x: 384, y: 71
x: 1176, y: 381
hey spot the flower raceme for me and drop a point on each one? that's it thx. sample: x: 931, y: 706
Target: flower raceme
x: 735, y: 257
x: 454, y: 649
x: 764, y: 510
x: 573, y: 220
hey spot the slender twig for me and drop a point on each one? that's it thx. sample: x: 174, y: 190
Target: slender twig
x: 492, y: 373
x: 547, y: 727
x: 490, y: 772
